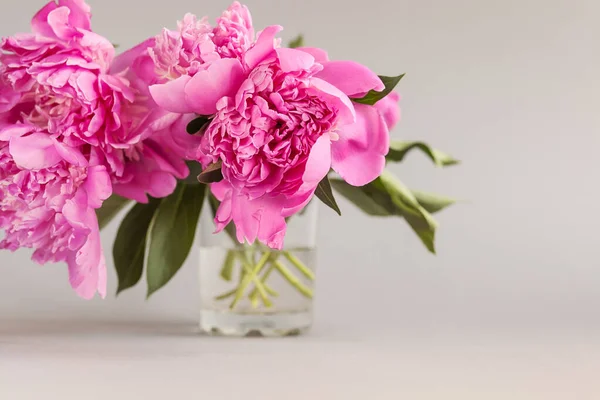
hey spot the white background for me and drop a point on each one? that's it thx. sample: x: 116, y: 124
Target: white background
x: 510, y: 307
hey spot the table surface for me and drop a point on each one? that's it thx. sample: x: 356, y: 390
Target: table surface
x: 154, y: 358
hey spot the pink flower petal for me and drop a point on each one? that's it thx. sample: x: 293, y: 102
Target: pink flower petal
x: 39, y: 23
x: 70, y: 154
x: 260, y: 219
x: 222, y: 78
x: 131, y: 190
x: 294, y: 204
x: 126, y: 59
x: 103, y: 49
x: 158, y: 158
x: 162, y: 184
x: 294, y: 60
x: 389, y: 109
x: 223, y: 192
x: 320, y: 55
x: 359, y: 154
x: 34, y: 152
x: 264, y: 46
x: 317, y: 167
x: 97, y: 186
x: 333, y: 95
x: 319, y: 161
x: 87, y: 266
x: 145, y: 178
x: 17, y: 130
x: 58, y: 20
x: 171, y: 95
x: 350, y: 77
x: 171, y: 134
x: 8, y: 98
x: 80, y: 13
x: 220, y: 189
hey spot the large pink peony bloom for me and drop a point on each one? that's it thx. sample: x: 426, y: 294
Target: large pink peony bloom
x: 282, y: 119
x: 152, y: 166
x: 59, y: 126
x: 69, y: 127
x: 47, y: 202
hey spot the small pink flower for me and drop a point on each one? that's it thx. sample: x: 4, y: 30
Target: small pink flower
x: 282, y: 119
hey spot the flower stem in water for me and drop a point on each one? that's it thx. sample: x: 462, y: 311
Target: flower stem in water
x: 251, y: 275
x: 298, y: 264
x: 293, y: 280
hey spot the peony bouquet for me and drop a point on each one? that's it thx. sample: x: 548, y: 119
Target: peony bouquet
x: 199, y: 114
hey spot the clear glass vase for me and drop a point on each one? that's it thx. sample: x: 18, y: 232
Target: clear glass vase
x: 251, y: 290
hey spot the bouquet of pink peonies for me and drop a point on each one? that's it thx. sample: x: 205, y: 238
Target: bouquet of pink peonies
x: 197, y: 114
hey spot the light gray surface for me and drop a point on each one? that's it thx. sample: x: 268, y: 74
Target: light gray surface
x: 106, y: 359
x: 509, y: 308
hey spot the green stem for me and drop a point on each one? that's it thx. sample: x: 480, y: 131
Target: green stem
x: 253, y: 296
x: 293, y: 280
x: 251, y: 275
x: 227, y: 269
x: 226, y: 294
x: 270, y: 290
x: 263, y: 279
x: 262, y: 289
x: 300, y: 265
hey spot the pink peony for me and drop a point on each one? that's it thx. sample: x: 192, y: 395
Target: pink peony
x: 59, y: 126
x: 60, y: 75
x: 48, y: 193
x: 282, y: 119
x: 58, y: 110
x: 153, y: 165
x: 69, y: 128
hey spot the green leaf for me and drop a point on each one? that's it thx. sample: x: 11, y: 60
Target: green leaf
x: 324, y: 193
x: 129, y: 248
x: 432, y: 202
x: 417, y: 217
x: 197, y: 124
x: 298, y: 41
x: 373, y: 96
x: 110, y: 208
x: 195, y: 169
x: 370, y: 200
x: 386, y: 196
x: 399, y: 149
x: 172, y: 233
